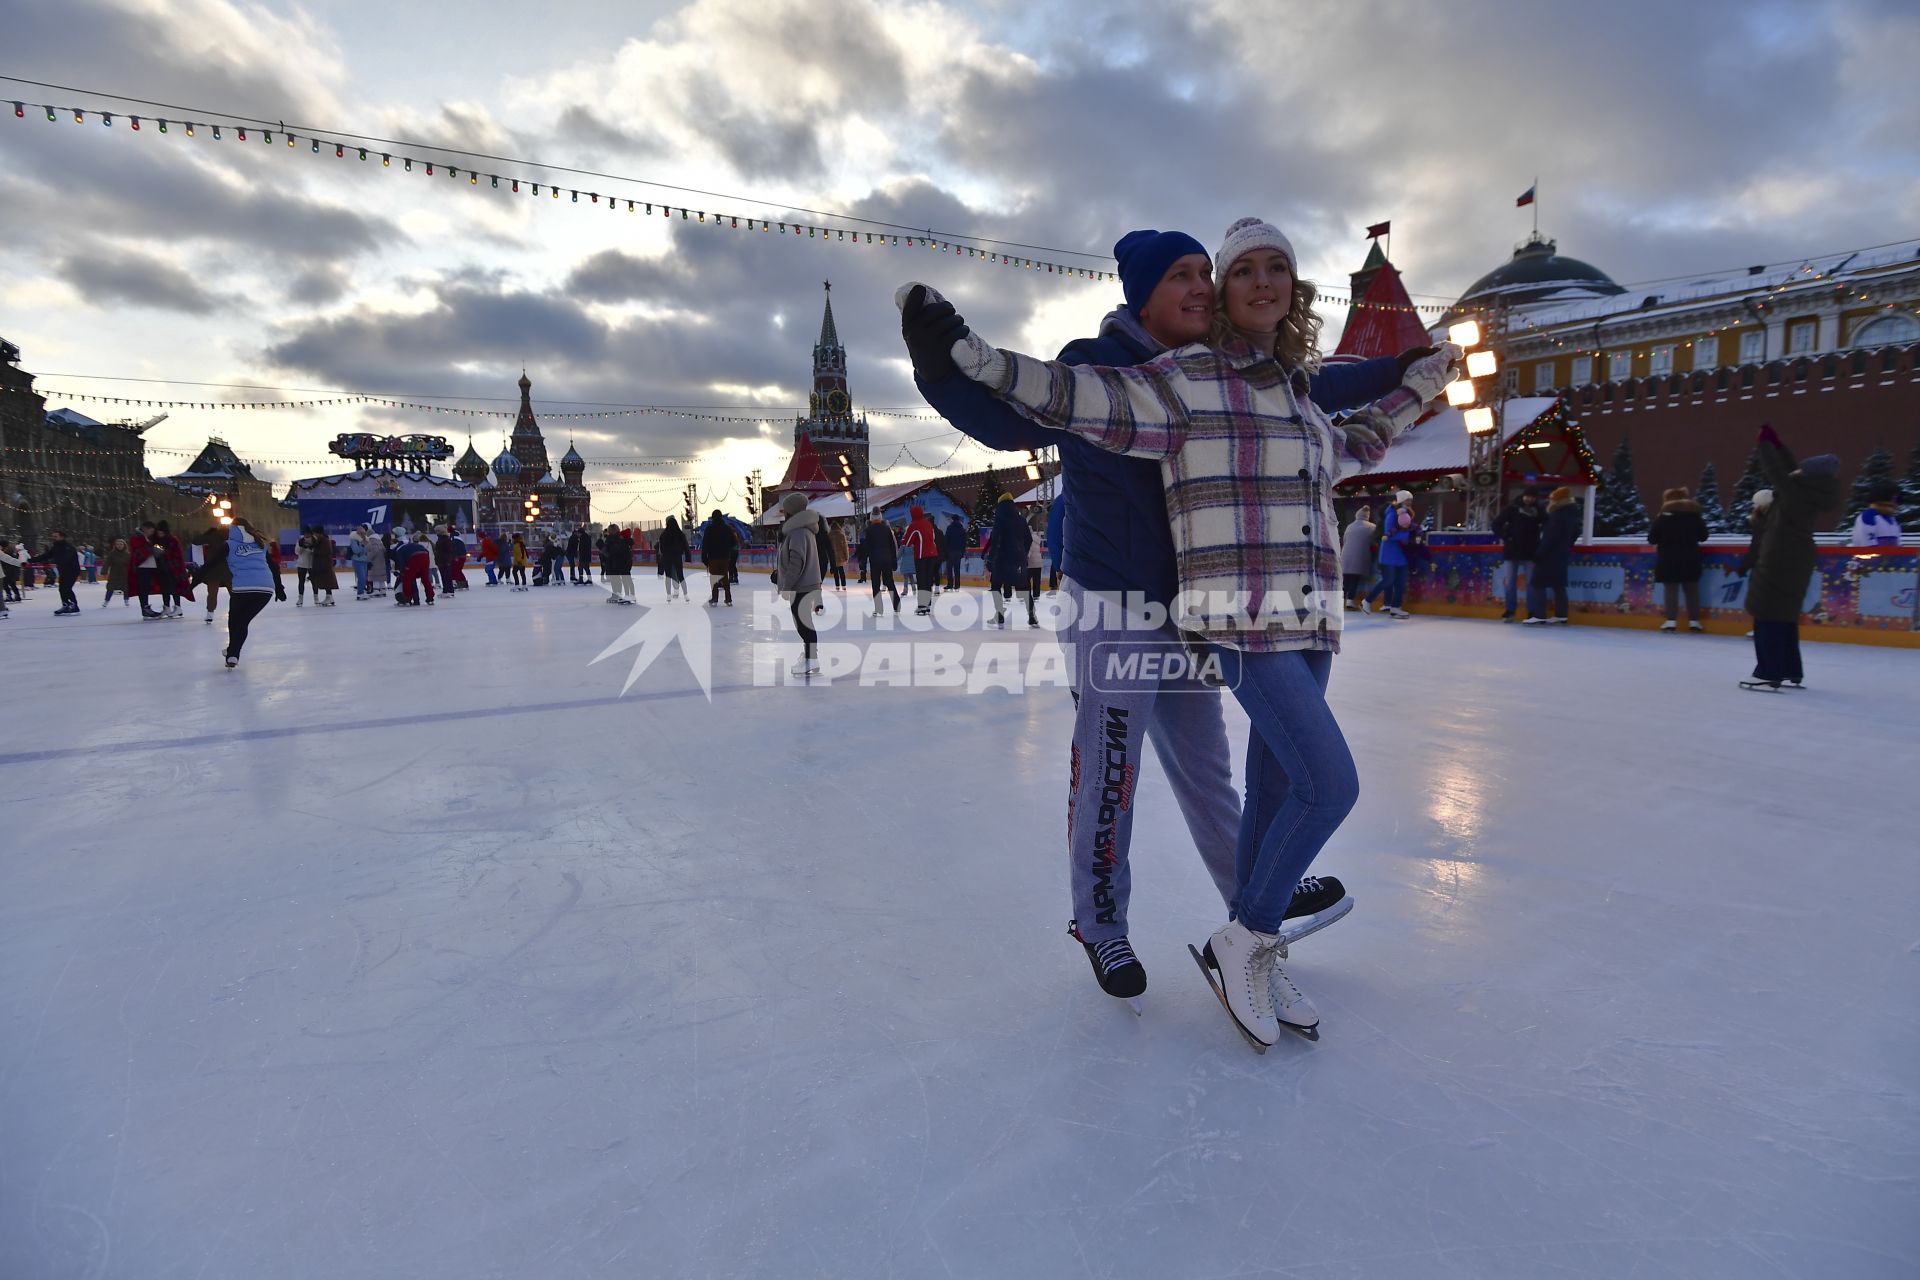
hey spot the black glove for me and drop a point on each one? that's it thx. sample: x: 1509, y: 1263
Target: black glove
x: 280, y: 594
x: 931, y: 329
x: 1406, y: 358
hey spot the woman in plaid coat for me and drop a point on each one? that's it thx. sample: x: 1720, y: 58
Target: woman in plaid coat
x: 1249, y: 463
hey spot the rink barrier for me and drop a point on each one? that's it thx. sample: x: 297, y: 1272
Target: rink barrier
x: 1855, y: 597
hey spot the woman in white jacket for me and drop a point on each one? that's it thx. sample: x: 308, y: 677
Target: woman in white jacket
x: 799, y: 570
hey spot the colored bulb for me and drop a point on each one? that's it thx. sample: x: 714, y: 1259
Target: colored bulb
x: 316, y: 146
x: 79, y: 117
x: 216, y: 133
x: 339, y: 152
x: 136, y: 124
x: 241, y: 134
x: 19, y: 111
x: 189, y: 128
x: 386, y: 160
x: 516, y: 186
x: 49, y: 115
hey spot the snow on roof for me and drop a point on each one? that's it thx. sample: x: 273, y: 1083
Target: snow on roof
x: 838, y: 505
x: 72, y: 418
x: 1575, y: 305
x: 1438, y: 446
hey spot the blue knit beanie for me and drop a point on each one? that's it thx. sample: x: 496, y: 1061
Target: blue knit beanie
x: 1144, y: 257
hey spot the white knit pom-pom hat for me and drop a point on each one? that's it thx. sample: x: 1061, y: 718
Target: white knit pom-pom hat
x: 1243, y: 237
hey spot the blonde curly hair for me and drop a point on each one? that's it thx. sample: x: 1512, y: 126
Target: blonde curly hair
x: 1297, y: 346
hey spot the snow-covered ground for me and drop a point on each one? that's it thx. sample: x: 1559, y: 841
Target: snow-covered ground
x: 411, y: 949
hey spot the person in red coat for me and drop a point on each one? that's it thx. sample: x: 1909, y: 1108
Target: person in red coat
x: 924, y: 540
x: 148, y: 568
x: 489, y: 552
x: 176, y: 562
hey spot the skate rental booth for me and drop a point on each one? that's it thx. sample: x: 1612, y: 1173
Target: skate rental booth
x: 383, y: 498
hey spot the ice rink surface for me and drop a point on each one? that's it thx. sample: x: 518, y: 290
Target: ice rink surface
x: 411, y: 949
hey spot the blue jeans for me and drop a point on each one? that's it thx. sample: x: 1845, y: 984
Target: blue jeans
x: 1541, y: 581
x: 360, y: 577
x: 1514, y: 568
x: 1301, y: 779
x: 1392, y: 585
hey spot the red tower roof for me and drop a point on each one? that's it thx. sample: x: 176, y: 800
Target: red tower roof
x: 804, y: 471
x: 1387, y: 324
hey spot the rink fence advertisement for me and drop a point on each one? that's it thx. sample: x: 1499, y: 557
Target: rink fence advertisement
x: 1852, y: 596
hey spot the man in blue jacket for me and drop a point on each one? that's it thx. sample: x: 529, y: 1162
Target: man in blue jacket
x: 1116, y: 543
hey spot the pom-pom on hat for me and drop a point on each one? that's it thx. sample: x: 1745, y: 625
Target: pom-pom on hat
x: 1144, y: 257
x: 1243, y: 237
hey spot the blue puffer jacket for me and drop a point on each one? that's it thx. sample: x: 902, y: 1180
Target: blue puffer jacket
x: 1115, y: 530
x: 1007, y: 553
x: 1057, y: 528
x: 953, y: 539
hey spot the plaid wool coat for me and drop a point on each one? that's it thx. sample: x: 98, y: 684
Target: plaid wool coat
x: 1249, y: 463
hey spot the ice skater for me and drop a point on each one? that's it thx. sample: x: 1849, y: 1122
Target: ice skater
x: 881, y: 553
x: 1396, y: 536
x: 63, y: 560
x: 215, y: 573
x: 1233, y: 426
x: 719, y: 547
x: 253, y: 579
x: 1006, y: 557
x: 799, y: 573
x: 114, y: 566
x: 672, y: 552
x: 416, y: 570
x: 376, y: 562
x: 924, y: 540
x: 1122, y: 550
x: 616, y: 566
x: 1676, y: 535
x: 1551, y: 559
x: 1784, y: 557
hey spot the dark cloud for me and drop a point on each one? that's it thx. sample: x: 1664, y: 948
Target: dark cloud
x: 318, y: 286
x: 228, y: 194
x: 106, y: 276
x: 584, y: 128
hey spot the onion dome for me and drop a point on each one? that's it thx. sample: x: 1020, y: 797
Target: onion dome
x: 471, y: 467
x: 573, y: 464
x: 506, y: 466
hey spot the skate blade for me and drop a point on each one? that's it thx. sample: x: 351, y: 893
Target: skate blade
x: 1313, y: 924
x: 1220, y: 994
x: 1139, y: 1010
x: 1305, y: 1033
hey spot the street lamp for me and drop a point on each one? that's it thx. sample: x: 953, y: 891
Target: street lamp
x: 1483, y: 421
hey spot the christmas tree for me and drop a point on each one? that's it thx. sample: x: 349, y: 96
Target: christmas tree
x: 1619, y: 512
x: 1910, y: 494
x: 1708, y: 495
x: 983, y: 506
x: 1877, y: 469
x: 1740, y: 510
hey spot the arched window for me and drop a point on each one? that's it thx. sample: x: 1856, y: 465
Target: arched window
x: 1895, y: 329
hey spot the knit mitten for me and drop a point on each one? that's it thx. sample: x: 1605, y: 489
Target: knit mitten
x: 1428, y: 376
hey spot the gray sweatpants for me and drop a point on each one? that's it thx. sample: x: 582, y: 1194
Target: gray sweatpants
x: 1119, y: 703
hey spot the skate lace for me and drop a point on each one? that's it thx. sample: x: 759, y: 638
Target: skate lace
x: 1114, y: 954
x: 1310, y: 884
x: 1261, y: 965
x: 1289, y: 994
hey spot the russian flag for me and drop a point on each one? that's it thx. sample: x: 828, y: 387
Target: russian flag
x: 1525, y: 199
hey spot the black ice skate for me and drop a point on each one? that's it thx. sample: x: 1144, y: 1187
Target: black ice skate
x: 1318, y: 901
x: 1115, y: 967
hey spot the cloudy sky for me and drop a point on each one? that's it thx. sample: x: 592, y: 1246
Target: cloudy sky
x: 1666, y: 138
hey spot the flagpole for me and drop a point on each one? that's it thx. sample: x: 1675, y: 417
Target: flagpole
x: 1536, y: 206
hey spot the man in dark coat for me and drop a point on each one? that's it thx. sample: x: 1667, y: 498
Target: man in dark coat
x: 1784, y: 560
x: 1518, y: 528
x: 1677, y: 533
x: 64, y: 560
x: 719, y: 545
x: 881, y: 550
x: 1007, y: 557
x: 953, y: 549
